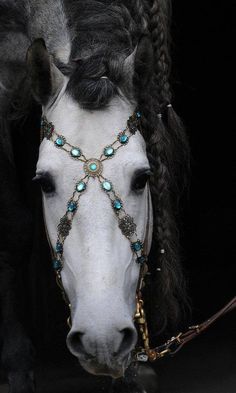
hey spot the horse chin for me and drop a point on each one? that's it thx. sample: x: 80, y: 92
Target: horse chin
x: 113, y: 370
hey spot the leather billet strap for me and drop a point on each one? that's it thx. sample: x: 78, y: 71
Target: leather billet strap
x: 174, y: 345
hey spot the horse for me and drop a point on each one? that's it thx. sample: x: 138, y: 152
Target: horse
x: 112, y: 165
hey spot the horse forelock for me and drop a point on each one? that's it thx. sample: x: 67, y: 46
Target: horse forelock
x: 102, y: 38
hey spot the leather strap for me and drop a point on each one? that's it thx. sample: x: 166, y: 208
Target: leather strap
x: 174, y: 345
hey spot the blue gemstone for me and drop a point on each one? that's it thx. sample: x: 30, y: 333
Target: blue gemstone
x: 81, y: 186
x: 93, y: 167
x: 57, y: 265
x: 138, y: 114
x: 117, y: 204
x: 137, y: 246
x: 109, y: 151
x: 76, y: 153
x: 107, y: 186
x: 59, y: 247
x: 123, y: 139
x: 141, y: 260
x: 72, y: 206
x: 60, y: 141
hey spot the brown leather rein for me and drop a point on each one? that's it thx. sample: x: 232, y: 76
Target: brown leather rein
x: 176, y: 343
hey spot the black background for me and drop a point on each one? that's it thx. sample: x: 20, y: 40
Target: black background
x: 203, y: 45
x: 204, y: 82
x: 204, y: 71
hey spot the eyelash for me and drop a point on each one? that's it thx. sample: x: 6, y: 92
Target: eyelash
x: 45, y: 183
x: 140, y: 181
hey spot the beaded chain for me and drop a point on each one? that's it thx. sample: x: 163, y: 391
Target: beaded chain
x: 93, y: 168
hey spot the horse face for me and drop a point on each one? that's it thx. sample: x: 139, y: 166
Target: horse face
x: 100, y: 272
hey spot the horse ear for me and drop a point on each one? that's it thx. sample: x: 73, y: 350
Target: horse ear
x: 44, y: 76
x: 140, y: 61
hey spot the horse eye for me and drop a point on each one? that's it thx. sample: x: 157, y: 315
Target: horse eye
x: 141, y: 180
x: 46, y: 183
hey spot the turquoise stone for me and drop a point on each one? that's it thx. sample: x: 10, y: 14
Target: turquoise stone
x: 93, y: 167
x: 123, y: 139
x: 76, y: 153
x: 59, y: 247
x: 138, y: 114
x: 81, y: 186
x: 60, y: 141
x: 57, y: 265
x: 117, y: 204
x: 137, y: 246
x: 109, y: 151
x: 107, y: 186
x: 72, y: 206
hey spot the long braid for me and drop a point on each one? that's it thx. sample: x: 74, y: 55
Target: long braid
x: 159, y: 30
x: 139, y: 12
x: 168, y: 286
x: 167, y: 151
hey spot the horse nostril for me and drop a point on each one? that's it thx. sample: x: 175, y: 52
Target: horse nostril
x: 128, y: 341
x: 74, y: 342
x: 113, y: 343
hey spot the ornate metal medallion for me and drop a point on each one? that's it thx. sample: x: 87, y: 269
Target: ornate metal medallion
x: 64, y: 226
x: 93, y: 167
x: 127, y: 226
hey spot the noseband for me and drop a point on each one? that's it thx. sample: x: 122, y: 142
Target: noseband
x: 93, y: 168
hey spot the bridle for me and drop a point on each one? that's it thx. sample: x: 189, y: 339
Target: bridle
x: 93, y: 168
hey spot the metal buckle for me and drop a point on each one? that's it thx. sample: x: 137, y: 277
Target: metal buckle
x: 162, y: 354
x: 195, y: 327
x: 142, y: 357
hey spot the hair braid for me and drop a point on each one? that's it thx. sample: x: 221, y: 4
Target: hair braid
x: 139, y: 11
x: 167, y: 151
x: 169, y: 284
x: 159, y: 29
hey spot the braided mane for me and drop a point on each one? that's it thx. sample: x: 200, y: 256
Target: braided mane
x: 168, y: 154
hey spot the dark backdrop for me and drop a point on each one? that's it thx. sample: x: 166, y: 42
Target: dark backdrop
x: 203, y: 45
x: 203, y: 73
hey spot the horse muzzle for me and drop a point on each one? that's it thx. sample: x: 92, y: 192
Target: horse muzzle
x: 103, y: 352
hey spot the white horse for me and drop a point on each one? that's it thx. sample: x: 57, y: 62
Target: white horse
x: 100, y: 273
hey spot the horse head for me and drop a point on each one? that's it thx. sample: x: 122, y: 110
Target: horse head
x: 94, y: 174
